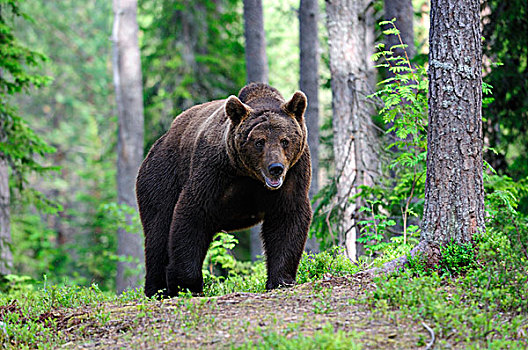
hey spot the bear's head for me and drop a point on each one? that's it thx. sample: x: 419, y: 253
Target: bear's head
x: 267, y: 135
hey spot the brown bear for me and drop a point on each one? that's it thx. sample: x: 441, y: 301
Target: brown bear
x: 226, y: 165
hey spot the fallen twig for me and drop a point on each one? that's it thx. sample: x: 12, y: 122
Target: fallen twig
x: 431, y: 332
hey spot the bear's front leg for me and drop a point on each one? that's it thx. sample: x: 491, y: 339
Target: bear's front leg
x: 284, y: 233
x: 189, y: 240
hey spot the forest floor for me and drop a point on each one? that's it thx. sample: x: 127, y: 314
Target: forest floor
x: 402, y: 311
x: 333, y: 311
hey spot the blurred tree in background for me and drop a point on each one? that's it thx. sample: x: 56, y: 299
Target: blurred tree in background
x: 350, y: 27
x: 309, y: 56
x: 505, y: 24
x: 128, y: 84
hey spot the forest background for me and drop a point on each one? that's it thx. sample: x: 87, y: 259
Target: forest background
x: 64, y: 221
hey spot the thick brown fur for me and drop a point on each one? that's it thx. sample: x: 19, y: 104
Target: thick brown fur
x: 226, y: 165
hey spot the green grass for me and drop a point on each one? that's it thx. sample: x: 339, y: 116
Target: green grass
x: 332, y: 262
x: 478, y: 297
x: 246, y: 277
x: 325, y: 339
x: 454, y: 308
x: 30, y: 314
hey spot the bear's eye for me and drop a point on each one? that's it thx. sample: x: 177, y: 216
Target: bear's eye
x: 284, y: 143
x: 259, y: 144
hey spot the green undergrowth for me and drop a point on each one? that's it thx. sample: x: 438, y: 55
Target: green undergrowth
x: 478, y: 296
x: 251, y: 277
x: 331, y: 262
x: 246, y: 277
x: 460, y: 310
x: 30, y: 313
x: 326, y: 338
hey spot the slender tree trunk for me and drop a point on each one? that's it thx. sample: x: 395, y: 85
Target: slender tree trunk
x: 256, y: 59
x: 402, y: 11
x: 129, y: 97
x: 309, y: 84
x: 257, y: 71
x: 454, y: 192
x: 6, y: 257
x: 356, y: 164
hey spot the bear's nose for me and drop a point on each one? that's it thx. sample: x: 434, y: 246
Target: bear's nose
x: 276, y: 169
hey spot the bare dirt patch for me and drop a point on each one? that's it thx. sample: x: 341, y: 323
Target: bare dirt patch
x: 236, y: 319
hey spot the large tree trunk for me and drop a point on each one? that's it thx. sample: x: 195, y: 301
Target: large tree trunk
x: 349, y: 26
x: 454, y: 192
x: 256, y: 59
x: 129, y: 97
x: 6, y: 257
x: 309, y: 84
x: 402, y: 11
x: 257, y: 71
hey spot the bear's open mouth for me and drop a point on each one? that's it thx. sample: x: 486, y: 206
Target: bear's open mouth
x: 273, y: 183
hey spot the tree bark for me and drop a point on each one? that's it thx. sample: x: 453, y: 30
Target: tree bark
x: 129, y: 98
x: 257, y: 71
x: 402, y: 11
x: 309, y: 84
x: 6, y: 257
x: 349, y: 26
x: 454, y: 191
x: 256, y: 59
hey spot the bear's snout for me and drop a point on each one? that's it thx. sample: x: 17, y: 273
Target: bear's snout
x: 274, y: 176
x: 276, y: 169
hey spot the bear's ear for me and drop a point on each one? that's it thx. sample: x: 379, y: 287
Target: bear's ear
x: 235, y: 109
x: 296, y: 105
